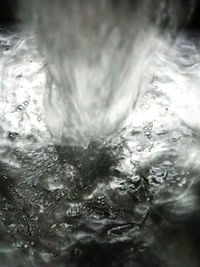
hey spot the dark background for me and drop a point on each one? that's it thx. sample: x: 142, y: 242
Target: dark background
x: 194, y: 23
x: 8, y: 11
x: 8, y: 14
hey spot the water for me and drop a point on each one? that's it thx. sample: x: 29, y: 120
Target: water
x: 96, y: 53
x: 100, y: 190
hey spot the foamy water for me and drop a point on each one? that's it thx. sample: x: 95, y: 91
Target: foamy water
x: 97, y: 53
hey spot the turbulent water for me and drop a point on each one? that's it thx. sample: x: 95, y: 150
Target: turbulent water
x: 96, y: 54
x: 113, y: 202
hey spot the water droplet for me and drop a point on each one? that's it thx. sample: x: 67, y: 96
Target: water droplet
x: 147, y: 133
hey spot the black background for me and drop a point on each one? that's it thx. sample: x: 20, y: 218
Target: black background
x: 8, y: 14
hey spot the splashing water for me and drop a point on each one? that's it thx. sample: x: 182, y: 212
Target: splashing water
x: 62, y: 204
x: 96, y: 53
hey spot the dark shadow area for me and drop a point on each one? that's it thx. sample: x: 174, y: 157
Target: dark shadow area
x: 95, y: 161
x: 8, y: 13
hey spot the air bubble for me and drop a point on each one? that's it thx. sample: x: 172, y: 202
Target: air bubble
x: 77, y: 252
x: 139, y: 148
x: 20, y: 107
